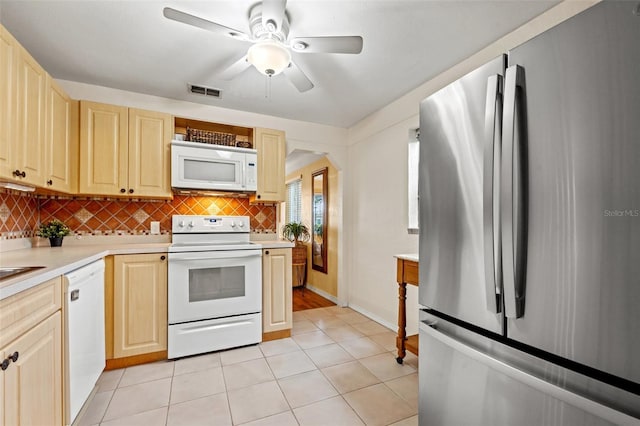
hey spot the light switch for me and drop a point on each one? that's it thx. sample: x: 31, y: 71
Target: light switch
x: 155, y: 227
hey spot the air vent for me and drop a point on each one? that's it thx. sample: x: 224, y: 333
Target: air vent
x: 206, y: 91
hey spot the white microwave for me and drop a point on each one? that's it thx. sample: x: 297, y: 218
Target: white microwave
x: 213, y: 167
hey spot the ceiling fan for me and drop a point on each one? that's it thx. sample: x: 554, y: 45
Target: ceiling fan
x: 270, y: 52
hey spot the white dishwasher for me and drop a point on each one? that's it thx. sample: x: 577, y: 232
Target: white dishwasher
x: 84, y: 302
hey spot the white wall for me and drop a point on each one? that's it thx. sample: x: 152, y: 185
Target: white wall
x: 376, y: 188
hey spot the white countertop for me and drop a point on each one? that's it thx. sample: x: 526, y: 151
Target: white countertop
x: 414, y: 257
x: 61, y: 260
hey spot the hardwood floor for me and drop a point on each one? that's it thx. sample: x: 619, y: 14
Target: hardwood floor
x: 308, y: 300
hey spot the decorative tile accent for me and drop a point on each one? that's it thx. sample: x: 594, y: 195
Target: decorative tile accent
x: 107, y: 216
x: 19, y: 214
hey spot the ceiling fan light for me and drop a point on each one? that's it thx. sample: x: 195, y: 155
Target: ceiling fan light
x: 269, y: 57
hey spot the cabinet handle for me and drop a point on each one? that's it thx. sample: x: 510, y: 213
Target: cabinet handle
x: 130, y: 190
x: 163, y: 257
x: 50, y: 182
x: 266, y: 252
x: 15, y: 356
x: 5, y: 364
x: 123, y: 190
x: 23, y: 174
x: 258, y: 196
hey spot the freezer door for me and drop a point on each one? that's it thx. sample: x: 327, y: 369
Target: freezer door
x: 583, y: 249
x: 454, y: 135
x: 463, y: 385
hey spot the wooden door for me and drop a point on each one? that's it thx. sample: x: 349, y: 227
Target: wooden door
x: 140, y: 304
x: 277, y: 309
x: 150, y: 136
x: 32, y: 385
x: 103, y: 149
x: 61, y: 150
x: 271, y: 147
x: 8, y: 108
x: 31, y: 103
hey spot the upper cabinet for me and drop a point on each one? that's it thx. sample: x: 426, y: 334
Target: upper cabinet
x: 124, y: 151
x: 271, y: 147
x: 61, y: 140
x: 38, y: 123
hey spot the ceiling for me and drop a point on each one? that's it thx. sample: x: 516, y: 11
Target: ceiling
x: 129, y: 45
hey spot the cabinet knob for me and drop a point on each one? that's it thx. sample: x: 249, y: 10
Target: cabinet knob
x: 50, y: 182
x: 163, y: 257
x: 18, y: 173
x: 131, y: 191
x: 5, y: 364
x: 266, y: 252
x: 123, y: 190
x: 258, y: 196
x: 23, y: 174
x: 15, y: 356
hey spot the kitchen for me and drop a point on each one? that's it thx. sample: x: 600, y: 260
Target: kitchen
x: 367, y: 147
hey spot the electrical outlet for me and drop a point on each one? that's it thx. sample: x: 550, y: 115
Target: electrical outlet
x: 155, y: 227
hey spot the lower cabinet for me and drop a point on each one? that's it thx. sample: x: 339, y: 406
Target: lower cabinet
x: 31, y: 382
x: 136, y: 308
x: 277, y: 311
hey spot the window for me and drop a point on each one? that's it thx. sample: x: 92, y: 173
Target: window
x: 414, y: 160
x: 294, y: 201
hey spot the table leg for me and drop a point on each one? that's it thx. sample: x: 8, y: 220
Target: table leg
x: 402, y: 321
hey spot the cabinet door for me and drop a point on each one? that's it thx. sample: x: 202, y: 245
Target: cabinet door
x: 140, y: 304
x: 103, y: 149
x: 150, y: 136
x: 31, y: 102
x: 277, y: 310
x: 271, y: 148
x: 61, y: 160
x: 8, y: 110
x: 32, y: 385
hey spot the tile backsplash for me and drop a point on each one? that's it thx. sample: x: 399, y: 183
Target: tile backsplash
x: 21, y: 214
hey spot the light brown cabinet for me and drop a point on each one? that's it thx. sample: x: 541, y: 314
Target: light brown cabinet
x: 271, y: 147
x: 31, y: 385
x: 61, y: 141
x: 137, y: 306
x: 277, y: 310
x: 124, y: 151
x: 38, y: 123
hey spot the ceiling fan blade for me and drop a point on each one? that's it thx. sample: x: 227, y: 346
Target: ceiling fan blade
x: 298, y: 78
x: 234, y: 69
x: 196, y: 21
x: 329, y: 44
x: 273, y: 14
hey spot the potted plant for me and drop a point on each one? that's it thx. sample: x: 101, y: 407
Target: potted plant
x: 55, y: 230
x: 298, y: 233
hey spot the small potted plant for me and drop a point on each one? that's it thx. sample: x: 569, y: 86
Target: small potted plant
x: 298, y: 233
x: 55, y: 230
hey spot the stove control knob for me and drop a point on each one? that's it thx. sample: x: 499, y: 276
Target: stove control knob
x: 233, y: 224
x: 181, y: 224
x: 241, y: 224
x: 191, y: 224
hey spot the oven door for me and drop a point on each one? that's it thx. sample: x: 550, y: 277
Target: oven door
x: 214, y: 284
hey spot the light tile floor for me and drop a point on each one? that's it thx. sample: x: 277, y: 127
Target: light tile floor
x: 338, y: 368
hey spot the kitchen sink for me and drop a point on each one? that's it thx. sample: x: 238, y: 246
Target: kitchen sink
x: 8, y: 272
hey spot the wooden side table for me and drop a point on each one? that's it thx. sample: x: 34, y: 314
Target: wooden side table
x: 407, y: 272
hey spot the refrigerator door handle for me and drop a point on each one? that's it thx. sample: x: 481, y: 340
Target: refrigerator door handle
x: 490, y: 194
x: 513, y: 186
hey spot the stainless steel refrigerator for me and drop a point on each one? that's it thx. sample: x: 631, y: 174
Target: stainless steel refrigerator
x: 529, y: 189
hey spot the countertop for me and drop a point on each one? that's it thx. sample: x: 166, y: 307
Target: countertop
x: 61, y: 260
x: 414, y: 257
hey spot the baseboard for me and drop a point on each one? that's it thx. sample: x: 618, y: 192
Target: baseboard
x: 376, y: 318
x: 322, y: 293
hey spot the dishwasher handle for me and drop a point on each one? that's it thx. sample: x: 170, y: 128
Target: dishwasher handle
x: 75, y: 294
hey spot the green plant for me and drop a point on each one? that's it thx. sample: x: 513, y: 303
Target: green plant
x: 53, y: 229
x: 296, y: 232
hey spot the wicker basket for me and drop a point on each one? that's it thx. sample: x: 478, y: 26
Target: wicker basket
x: 299, y: 254
x: 215, y: 138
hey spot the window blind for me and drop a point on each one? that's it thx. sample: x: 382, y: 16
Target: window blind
x: 294, y: 201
